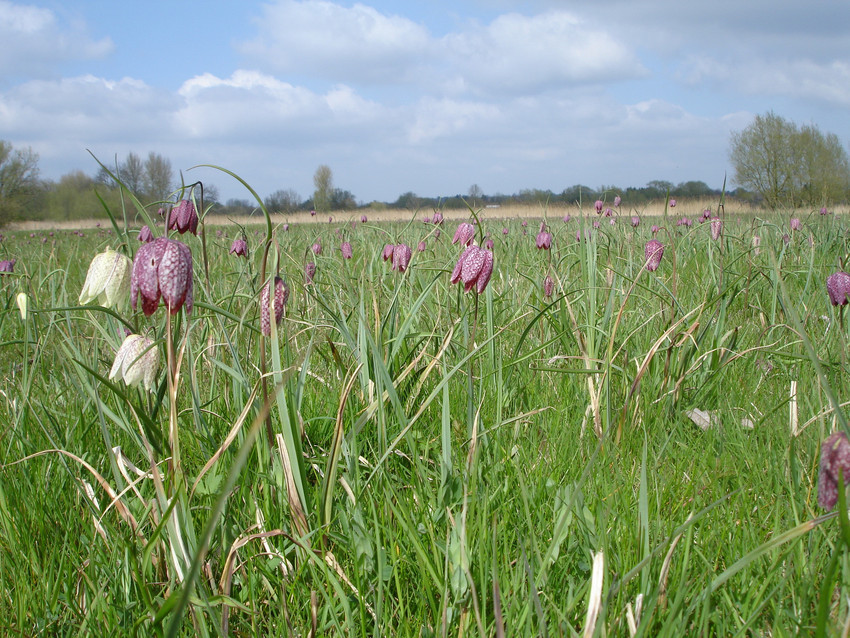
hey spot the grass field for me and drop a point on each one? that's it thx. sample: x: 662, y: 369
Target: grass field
x: 635, y: 455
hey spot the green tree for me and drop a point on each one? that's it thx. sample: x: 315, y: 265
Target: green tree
x: 788, y: 165
x: 323, y: 181
x: 19, y: 183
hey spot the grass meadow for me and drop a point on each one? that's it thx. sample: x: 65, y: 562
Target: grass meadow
x: 635, y: 455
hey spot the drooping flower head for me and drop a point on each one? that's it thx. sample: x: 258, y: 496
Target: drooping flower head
x: 437, y: 218
x: 473, y: 268
x: 653, y: 251
x: 7, y: 265
x: 635, y: 221
x: 387, y: 253
x: 309, y: 272
x: 239, y: 247
x: 281, y: 296
x: 162, y: 268
x: 345, y: 249
x: 548, y: 287
x: 184, y: 218
x: 422, y: 246
x: 716, y: 228
x: 363, y: 219
x: 672, y: 203
x: 834, y: 455
x: 824, y: 211
x: 145, y: 234
x: 617, y: 201
x: 137, y: 361
x: 598, y: 205
x: 567, y: 218
x: 654, y: 230
x: 488, y: 244
x: 838, y: 287
x: 464, y: 234
x: 544, y: 240
x: 107, y: 279
x: 316, y: 248
x: 504, y: 231
x: 401, y: 257
x: 795, y: 224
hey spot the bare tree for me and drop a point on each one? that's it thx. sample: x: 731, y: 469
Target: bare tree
x: 283, y: 201
x: 132, y: 172
x: 158, y: 177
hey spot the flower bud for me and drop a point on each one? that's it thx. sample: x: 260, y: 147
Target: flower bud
x: 136, y: 361
x: 834, y: 455
x: 145, y: 234
x: 345, y: 249
x: 653, y: 251
x: 107, y: 279
x: 281, y: 296
x: 548, y: 287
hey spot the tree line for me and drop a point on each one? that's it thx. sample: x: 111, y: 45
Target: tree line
x: 776, y: 164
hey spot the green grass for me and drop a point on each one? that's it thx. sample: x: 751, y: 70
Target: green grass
x: 432, y: 464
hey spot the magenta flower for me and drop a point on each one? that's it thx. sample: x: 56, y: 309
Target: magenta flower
x: 281, y: 296
x: 401, y: 257
x: 437, y: 218
x: 587, y: 234
x: 834, y: 456
x: 363, y: 219
x: 824, y: 211
x: 7, y: 265
x: 548, y: 287
x: 488, y: 244
x: 672, y: 203
x: 387, y: 254
x: 524, y: 223
x: 596, y: 223
x: 239, y: 247
x: 316, y: 248
x: 312, y: 213
x: 345, y: 249
x: 654, y: 230
x: 504, y: 231
x: 598, y: 205
x: 635, y: 221
x: 716, y: 228
x: 473, y: 268
x: 330, y: 219
x: 285, y: 228
x: 838, y: 287
x: 567, y: 218
x: 145, y: 235
x: 162, y: 268
x: 464, y: 234
x: 436, y: 233
x: 309, y: 272
x: 422, y: 246
x: 617, y: 201
x: 608, y: 212
x: 653, y: 251
x: 795, y: 224
x: 706, y: 215
x: 184, y: 218
x: 544, y: 240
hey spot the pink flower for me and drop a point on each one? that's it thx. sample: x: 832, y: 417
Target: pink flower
x: 437, y: 218
x: 635, y: 221
x: 653, y: 251
x: 285, y: 228
x: 162, y: 268
x: 473, y: 268
x: 596, y: 223
x: 345, y: 249
x: 795, y: 224
x: 654, y: 230
x: 706, y: 215
x: 716, y: 228
x: 309, y: 272
x: 184, y: 218
x: 598, y: 205
x: 387, y: 254
x: 834, y: 456
x: 330, y: 219
x: 608, y: 212
x: 548, y: 287
x: 7, y: 265
x: 838, y: 287
x: 422, y: 246
x: 524, y: 223
x: 488, y: 244
x: 464, y: 234
x: 401, y: 257
x: 363, y: 219
x: 316, y: 248
x: 544, y: 240
x: 239, y: 247
x: 504, y: 231
x: 617, y: 201
x: 567, y: 218
x: 145, y: 235
x: 281, y: 296
x: 312, y: 213
x: 672, y: 203
x: 824, y: 211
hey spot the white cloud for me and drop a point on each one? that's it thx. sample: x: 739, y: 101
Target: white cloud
x: 338, y: 43
x: 434, y: 118
x: 35, y: 43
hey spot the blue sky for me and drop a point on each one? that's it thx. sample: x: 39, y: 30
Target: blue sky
x: 429, y: 97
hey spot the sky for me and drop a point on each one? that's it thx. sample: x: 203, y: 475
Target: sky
x: 424, y: 97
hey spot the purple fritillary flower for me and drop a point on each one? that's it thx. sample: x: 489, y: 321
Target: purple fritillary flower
x: 608, y: 212
x: 387, y: 253
x: 672, y: 203
x: 401, y: 257
x: 635, y: 221
x: 488, y: 244
x: 653, y: 251
x: 436, y: 233
x: 824, y: 211
x: 654, y: 230
x: 617, y: 201
x: 596, y: 223
x: 239, y: 247
x: 838, y: 287
x: 786, y: 239
x: 706, y: 215
x: 422, y: 246
x: 567, y: 218
x: 598, y: 205
x: 145, y: 235
x: 437, y: 218
x: 162, y: 269
x: 285, y: 228
x: 345, y: 249
x: 548, y: 287
x: 524, y: 223
x: 184, y: 218
x: 464, y: 234
x: 316, y: 248
x: 330, y: 219
x: 834, y: 456
x: 473, y: 268
x: 544, y: 240
x: 504, y: 231
x: 716, y: 228
x: 309, y: 272
x: 7, y: 265
x: 281, y: 296
x: 363, y: 219
x: 312, y: 213
x: 795, y: 224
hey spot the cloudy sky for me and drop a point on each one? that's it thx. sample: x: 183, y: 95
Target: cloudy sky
x: 429, y: 97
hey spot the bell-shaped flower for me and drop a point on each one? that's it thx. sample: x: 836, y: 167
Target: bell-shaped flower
x: 473, y: 268
x: 544, y: 240
x: 137, y: 361
x: 617, y: 201
x: 345, y: 249
x: 653, y: 251
x: 598, y: 205
x: 654, y: 230
x: 184, y: 218
x: 281, y: 296
x: 7, y: 265
x: 239, y: 247
x: 437, y: 218
x: 464, y: 234
x: 363, y: 219
x: 672, y: 203
x: 107, y: 280
x: 635, y: 221
x: 162, y: 268
x: 145, y: 234
x: 387, y: 253
x: 716, y: 228
x: 838, y: 287
x: 422, y: 246
x: 548, y: 286
x: 401, y: 257
x: 795, y: 224
x: 834, y: 456
x: 316, y: 248
x: 309, y: 272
